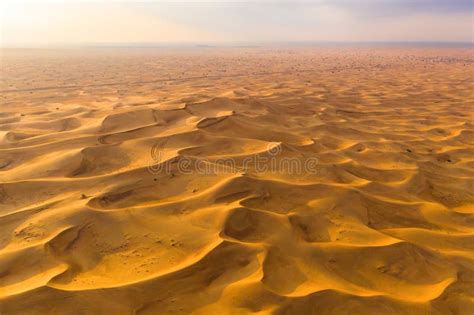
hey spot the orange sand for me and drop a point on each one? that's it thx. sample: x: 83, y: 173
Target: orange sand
x: 382, y: 225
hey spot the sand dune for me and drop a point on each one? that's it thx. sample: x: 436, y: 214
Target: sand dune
x: 126, y: 187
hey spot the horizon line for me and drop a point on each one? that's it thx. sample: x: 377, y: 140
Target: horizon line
x: 239, y: 44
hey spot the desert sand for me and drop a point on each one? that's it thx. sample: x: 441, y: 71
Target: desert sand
x: 92, y: 223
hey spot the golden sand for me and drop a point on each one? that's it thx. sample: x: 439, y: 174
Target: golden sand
x: 92, y: 223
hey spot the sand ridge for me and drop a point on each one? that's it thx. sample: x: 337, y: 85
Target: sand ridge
x: 91, y: 223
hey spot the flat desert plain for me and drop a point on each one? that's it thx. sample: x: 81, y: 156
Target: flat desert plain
x: 316, y: 180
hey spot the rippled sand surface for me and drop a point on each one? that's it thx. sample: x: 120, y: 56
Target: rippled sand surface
x: 105, y: 207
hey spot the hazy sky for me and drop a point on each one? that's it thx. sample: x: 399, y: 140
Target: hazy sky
x: 25, y: 23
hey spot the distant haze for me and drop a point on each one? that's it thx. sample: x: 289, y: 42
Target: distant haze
x: 43, y: 23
